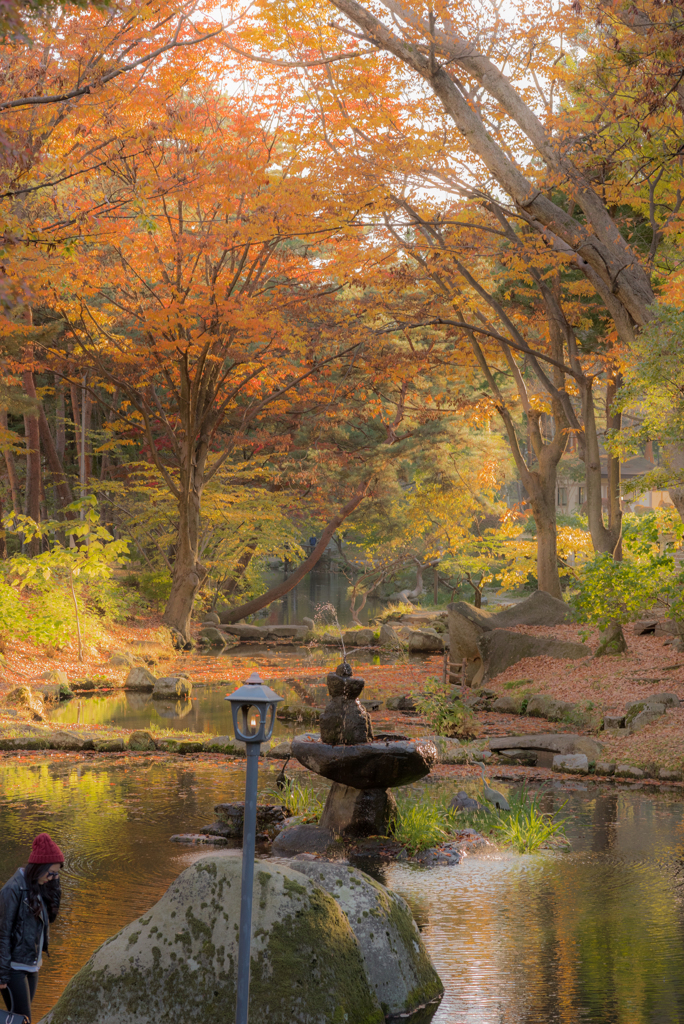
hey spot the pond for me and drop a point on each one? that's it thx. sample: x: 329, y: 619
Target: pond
x: 317, y: 596
x: 593, y: 935
x: 208, y: 711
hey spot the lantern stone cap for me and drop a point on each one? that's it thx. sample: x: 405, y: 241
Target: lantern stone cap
x: 254, y: 691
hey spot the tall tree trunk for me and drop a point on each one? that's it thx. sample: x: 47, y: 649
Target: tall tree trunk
x: 11, y: 468
x: 543, y: 504
x: 54, y: 461
x: 188, y: 571
x: 673, y: 457
x: 32, y: 428
x: 60, y: 420
x: 614, y: 422
x: 3, y: 535
x: 76, y: 417
x: 235, y: 614
x: 604, y: 539
x: 87, y: 417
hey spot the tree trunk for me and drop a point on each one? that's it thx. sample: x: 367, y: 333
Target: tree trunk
x: 547, y: 553
x: 60, y: 420
x: 32, y: 428
x: 614, y: 422
x: 11, y: 468
x: 235, y: 614
x: 61, y: 483
x: 76, y: 417
x: 603, y: 538
x: 188, y: 571
x: 87, y: 416
x: 3, y: 535
x: 674, y: 460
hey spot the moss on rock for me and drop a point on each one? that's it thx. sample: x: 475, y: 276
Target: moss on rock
x: 396, y: 962
x: 307, y: 966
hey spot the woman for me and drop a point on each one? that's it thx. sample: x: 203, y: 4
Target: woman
x: 28, y: 903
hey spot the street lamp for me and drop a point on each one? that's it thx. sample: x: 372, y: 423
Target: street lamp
x: 253, y: 706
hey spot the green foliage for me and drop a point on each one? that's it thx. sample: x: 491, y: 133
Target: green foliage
x: 524, y: 827
x: 446, y: 716
x: 609, y: 591
x: 300, y: 799
x: 155, y: 586
x: 645, y: 535
x: 43, y: 592
x: 654, y: 382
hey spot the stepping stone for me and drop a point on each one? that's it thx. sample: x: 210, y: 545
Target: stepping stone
x: 577, y: 764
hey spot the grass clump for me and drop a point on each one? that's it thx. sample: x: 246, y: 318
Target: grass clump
x: 446, y: 716
x: 526, y: 828
x: 428, y: 822
x: 425, y: 822
x: 514, y: 684
x: 300, y: 800
x: 422, y: 826
x: 394, y: 611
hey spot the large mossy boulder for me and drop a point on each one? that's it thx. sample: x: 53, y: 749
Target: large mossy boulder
x: 397, y: 964
x: 178, y: 961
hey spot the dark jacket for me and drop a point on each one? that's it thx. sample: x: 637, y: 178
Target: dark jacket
x: 19, y: 929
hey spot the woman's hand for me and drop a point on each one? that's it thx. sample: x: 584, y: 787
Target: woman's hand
x: 3, y: 985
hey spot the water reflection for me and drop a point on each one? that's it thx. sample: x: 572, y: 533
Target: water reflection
x: 208, y: 713
x: 315, y: 591
x: 595, y: 935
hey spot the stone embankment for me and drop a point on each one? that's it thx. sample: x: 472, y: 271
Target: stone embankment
x: 420, y: 632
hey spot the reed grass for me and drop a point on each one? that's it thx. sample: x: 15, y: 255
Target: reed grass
x: 301, y: 800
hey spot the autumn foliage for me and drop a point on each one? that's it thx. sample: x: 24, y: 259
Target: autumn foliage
x: 280, y: 269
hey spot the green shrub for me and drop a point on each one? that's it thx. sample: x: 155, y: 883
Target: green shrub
x: 446, y: 716
x: 609, y: 591
x: 155, y: 586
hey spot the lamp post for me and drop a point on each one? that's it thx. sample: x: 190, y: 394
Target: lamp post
x: 253, y: 706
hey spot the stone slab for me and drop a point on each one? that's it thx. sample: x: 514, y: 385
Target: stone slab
x: 354, y: 812
x: 368, y: 765
x: 557, y: 743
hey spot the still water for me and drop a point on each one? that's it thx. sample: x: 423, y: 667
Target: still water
x: 321, y: 596
x: 594, y: 935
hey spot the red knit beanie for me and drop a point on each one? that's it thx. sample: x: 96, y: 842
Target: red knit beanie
x: 45, y: 851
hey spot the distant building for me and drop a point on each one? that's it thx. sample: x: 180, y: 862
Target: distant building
x: 571, y: 495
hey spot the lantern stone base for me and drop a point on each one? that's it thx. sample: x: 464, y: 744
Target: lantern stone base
x: 353, y: 812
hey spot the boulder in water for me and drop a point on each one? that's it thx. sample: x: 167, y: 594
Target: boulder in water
x: 172, y: 687
x: 140, y: 679
x: 396, y: 961
x: 178, y: 961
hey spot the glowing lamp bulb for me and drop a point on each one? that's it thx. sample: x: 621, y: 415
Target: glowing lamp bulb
x: 254, y: 721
